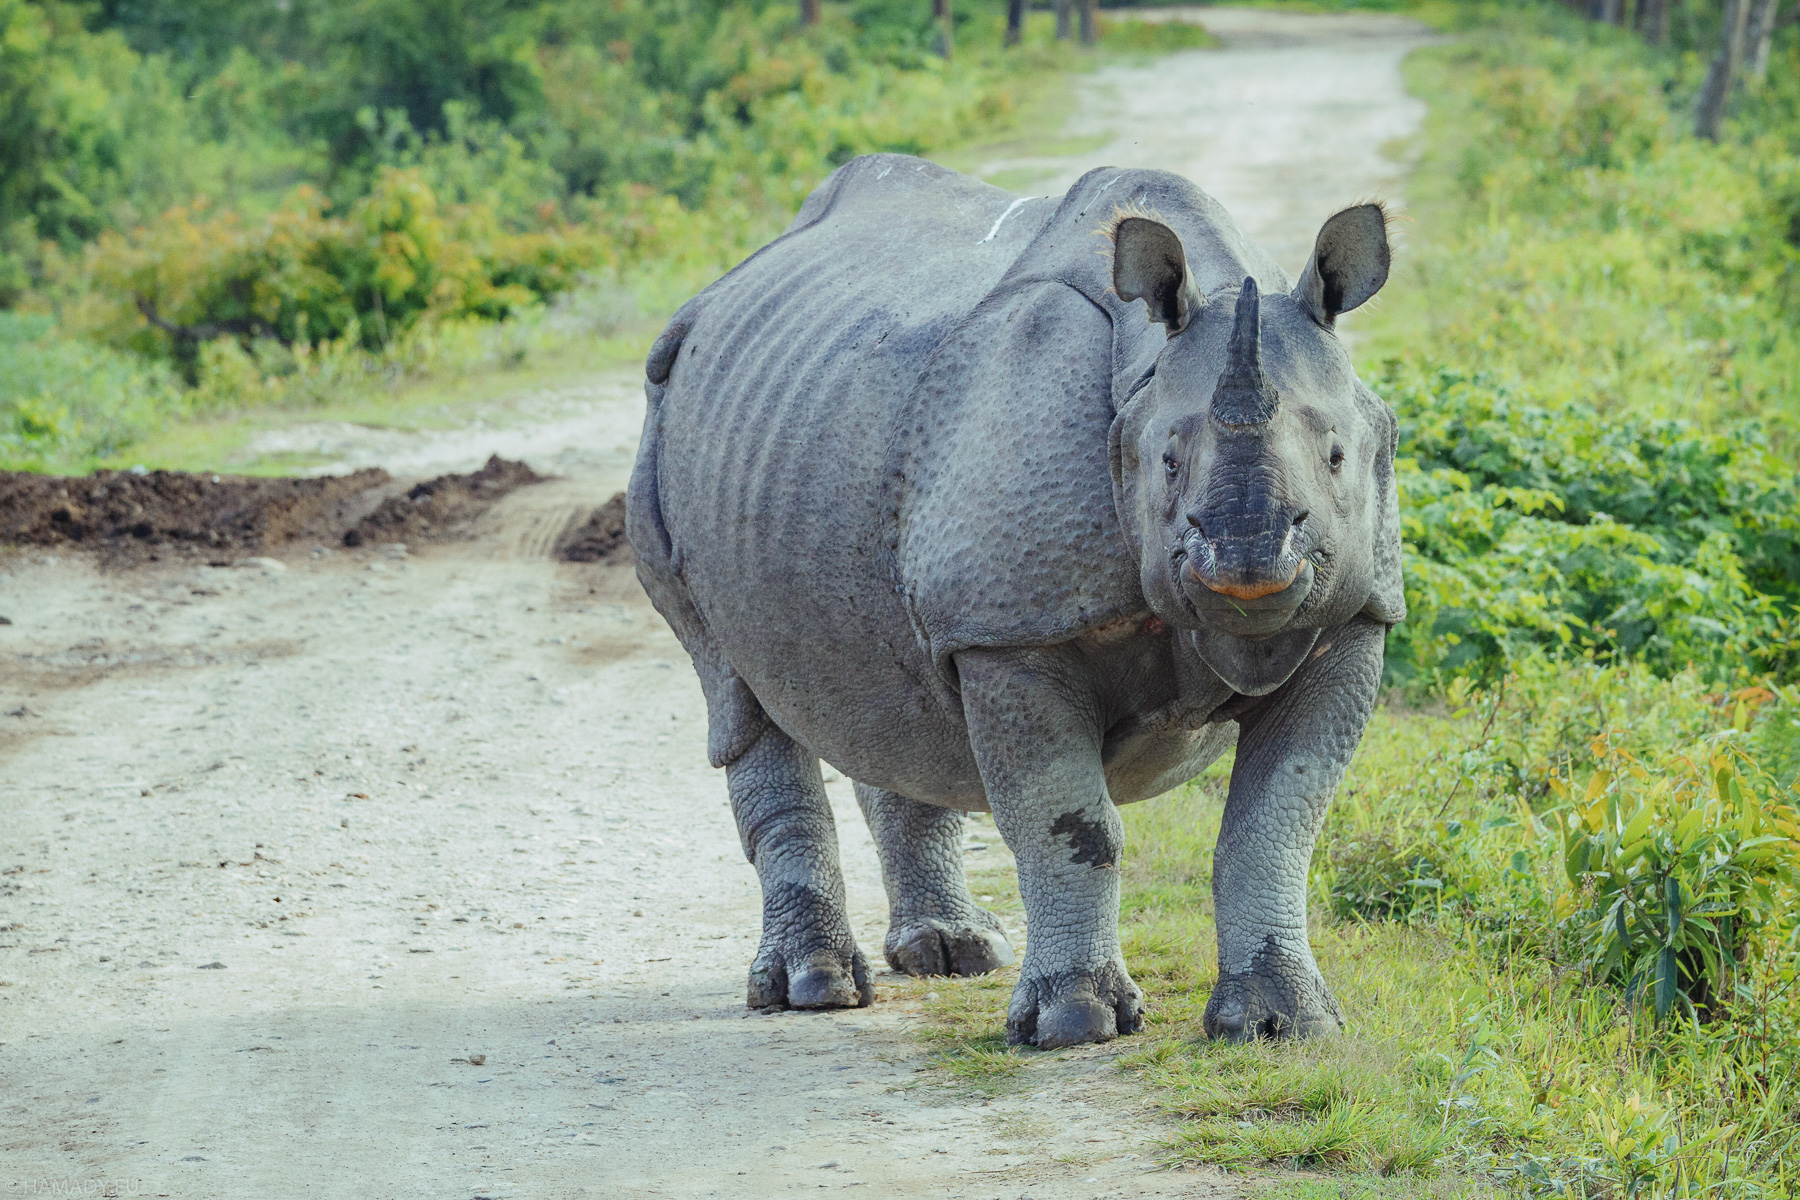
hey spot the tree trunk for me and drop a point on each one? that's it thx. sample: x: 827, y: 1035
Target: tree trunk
x: 1653, y: 20
x: 1761, y: 32
x: 1713, y: 96
x: 946, y: 39
x: 1610, y: 11
x: 809, y: 12
x: 1086, y: 9
x: 1015, y: 21
x: 1062, y: 20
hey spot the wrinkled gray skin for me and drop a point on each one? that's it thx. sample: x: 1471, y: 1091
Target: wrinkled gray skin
x: 928, y: 494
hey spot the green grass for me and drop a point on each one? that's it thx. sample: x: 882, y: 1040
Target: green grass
x: 1464, y: 1069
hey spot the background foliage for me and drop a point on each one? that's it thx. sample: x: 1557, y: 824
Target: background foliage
x: 252, y: 195
x: 1593, y: 354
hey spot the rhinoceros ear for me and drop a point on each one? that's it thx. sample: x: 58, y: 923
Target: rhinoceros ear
x: 1349, y: 263
x: 1150, y: 264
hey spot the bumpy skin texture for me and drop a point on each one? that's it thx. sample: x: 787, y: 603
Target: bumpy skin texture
x: 935, y: 927
x: 1006, y: 504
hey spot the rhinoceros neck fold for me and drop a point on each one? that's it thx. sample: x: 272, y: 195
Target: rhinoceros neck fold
x: 1252, y: 668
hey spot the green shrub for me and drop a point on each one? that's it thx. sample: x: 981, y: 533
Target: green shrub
x: 1585, y: 243
x: 1776, y: 743
x: 1531, y: 529
x: 1609, y: 822
x: 1675, y: 873
x: 457, y: 165
x: 62, y: 395
x: 1618, y: 851
x: 301, y: 278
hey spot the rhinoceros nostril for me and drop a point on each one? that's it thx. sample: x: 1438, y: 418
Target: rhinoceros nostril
x: 1304, y: 513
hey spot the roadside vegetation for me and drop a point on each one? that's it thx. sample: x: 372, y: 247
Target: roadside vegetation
x: 1557, y: 891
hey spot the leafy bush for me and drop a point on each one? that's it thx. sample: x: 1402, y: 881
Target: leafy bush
x: 1613, y: 849
x: 1587, y: 245
x: 1609, y: 822
x: 1531, y: 529
x: 59, y: 395
x: 1675, y: 874
x: 461, y: 164
x: 300, y: 278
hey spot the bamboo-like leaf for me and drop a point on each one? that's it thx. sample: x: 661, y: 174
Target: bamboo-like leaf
x: 1671, y: 909
x: 1575, y: 861
x: 1666, y: 968
x: 1684, y: 832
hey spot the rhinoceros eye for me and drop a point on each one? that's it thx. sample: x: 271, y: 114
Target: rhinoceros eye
x: 1171, y: 466
x: 1337, y: 457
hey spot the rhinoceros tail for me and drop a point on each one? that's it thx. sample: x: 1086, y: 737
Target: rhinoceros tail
x: 661, y: 359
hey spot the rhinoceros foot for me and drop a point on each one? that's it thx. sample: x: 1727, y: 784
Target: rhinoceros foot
x: 1281, y: 996
x: 973, y: 946
x: 809, y: 979
x: 1073, y: 1008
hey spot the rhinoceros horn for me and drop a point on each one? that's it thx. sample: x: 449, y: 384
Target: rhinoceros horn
x: 1244, y: 395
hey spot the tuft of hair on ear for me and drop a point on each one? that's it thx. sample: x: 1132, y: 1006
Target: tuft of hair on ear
x: 1162, y: 279
x: 1350, y: 262
x: 1109, y: 228
x: 1389, y: 218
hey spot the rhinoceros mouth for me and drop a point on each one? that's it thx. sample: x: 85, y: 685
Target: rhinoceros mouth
x: 1246, y: 591
x: 1260, y: 605
x: 1198, y: 561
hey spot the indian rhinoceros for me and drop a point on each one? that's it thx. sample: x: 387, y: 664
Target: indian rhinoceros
x: 927, y: 494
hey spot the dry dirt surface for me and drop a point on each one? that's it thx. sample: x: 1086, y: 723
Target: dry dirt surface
x: 396, y: 869
x: 1300, y: 115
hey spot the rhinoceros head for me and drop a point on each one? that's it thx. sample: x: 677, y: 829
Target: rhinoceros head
x: 1254, y: 464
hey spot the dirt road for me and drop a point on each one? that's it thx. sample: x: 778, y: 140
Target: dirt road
x: 402, y: 873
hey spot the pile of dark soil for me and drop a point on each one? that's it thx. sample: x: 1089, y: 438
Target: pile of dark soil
x: 120, y: 511
x: 129, y: 517
x: 440, y: 508
x: 600, y: 538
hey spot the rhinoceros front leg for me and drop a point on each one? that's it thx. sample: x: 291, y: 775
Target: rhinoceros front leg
x: 1292, y: 751
x: 808, y: 957
x: 1037, y: 731
x: 934, y: 925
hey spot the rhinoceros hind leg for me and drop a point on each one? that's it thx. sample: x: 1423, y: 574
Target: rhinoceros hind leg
x: 934, y: 927
x: 808, y: 957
